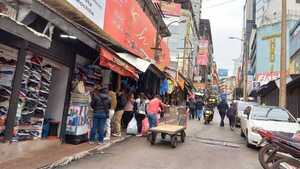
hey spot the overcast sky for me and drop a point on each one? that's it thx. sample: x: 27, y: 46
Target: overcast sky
x: 226, y: 18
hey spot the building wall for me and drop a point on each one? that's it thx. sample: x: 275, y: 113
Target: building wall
x: 294, y: 62
x: 268, y: 47
x: 269, y: 11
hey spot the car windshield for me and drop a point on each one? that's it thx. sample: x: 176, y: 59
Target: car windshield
x: 242, y: 105
x: 271, y: 114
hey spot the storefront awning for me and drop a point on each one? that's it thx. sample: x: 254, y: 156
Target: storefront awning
x: 141, y: 64
x: 112, y: 61
x: 18, y: 29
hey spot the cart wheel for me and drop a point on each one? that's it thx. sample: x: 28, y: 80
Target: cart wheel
x: 174, y: 141
x: 182, y: 135
x: 153, y: 138
x: 163, y: 135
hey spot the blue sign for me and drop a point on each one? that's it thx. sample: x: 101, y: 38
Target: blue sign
x: 223, y: 72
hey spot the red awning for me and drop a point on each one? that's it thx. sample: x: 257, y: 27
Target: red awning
x: 112, y: 61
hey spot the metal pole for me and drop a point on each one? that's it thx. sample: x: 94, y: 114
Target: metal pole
x: 282, y: 89
x: 245, y: 92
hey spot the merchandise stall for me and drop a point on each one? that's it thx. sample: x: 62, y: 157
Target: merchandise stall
x: 8, y: 57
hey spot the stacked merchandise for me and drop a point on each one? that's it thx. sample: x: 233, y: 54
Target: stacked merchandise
x: 33, y: 99
x: 77, y: 124
x: 7, y: 70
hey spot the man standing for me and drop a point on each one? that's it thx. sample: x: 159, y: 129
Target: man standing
x: 153, y: 109
x: 222, y: 107
x: 112, y: 109
x: 199, y: 108
x: 117, y: 118
x: 100, y: 104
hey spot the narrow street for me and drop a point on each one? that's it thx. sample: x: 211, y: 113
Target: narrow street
x: 204, y: 149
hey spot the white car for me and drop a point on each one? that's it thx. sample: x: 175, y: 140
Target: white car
x: 268, y: 118
x: 241, y: 106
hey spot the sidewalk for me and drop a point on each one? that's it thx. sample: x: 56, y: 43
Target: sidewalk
x: 46, y: 154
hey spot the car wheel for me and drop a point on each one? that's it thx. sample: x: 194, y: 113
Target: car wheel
x: 242, y: 133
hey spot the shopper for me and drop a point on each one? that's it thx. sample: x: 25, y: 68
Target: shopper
x: 199, y: 108
x: 222, y: 107
x: 101, y: 104
x: 140, y: 111
x: 117, y: 118
x: 231, y: 114
x: 112, y: 109
x: 192, y: 108
x: 128, y: 111
x: 153, y: 109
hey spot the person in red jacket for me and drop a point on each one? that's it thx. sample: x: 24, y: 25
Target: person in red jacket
x: 154, y: 108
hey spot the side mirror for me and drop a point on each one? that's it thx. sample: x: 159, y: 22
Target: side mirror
x: 298, y: 120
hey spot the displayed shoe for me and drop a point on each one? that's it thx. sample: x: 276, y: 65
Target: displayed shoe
x: 44, y: 94
x: 27, y: 111
x: 32, y: 95
x: 45, y: 88
x: 3, y: 60
x: 42, y: 105
x: 35, y: 76
x: 106, y: 139
x: 39, y: 113
x: 4, y: 91
x: 33, y: 82
x: 36, y: 68
x: 36, y: 60
x: 35, y: 133
x: 45, y: 84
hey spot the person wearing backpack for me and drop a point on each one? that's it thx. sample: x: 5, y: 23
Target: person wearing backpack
x: 101, y: 104
x: 140, y: 111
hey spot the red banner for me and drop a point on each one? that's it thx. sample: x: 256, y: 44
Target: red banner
x: 113, y: 62
x: 202, y: 58
x: 126, y: 22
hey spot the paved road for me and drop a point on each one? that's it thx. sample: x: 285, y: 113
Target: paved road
x: 203, y: 149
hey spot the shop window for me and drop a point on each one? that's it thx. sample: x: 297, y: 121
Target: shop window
x: 8, y: 57
x: 33, y: 98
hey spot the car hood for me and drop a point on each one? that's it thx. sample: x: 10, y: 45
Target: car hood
x: 276, y: 126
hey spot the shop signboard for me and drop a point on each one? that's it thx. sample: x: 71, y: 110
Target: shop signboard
x: 94, y: 10
x: 169, y: 8
x: 265, y: 77
x: 126, y: 22
x: 202, y: 58
x: 223, y: 73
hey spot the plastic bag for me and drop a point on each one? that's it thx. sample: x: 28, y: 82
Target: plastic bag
x: 145, y: 126
x: 132, y: 127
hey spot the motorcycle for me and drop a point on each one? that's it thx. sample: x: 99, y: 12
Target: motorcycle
x: 282, y: 150
x: 208, y: 115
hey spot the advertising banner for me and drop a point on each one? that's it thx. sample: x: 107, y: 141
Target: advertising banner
x: 94, y: 10
x: 202, y: 58
x: 265, y: 77
x: 126, y: 22
x: 169, y: 8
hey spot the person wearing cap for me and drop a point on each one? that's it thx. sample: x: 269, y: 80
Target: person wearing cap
x: 101, y: 104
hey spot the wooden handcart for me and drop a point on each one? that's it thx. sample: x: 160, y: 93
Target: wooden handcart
x: 173, y: 126
x: 174, y: 131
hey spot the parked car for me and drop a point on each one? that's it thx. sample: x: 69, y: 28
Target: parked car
x: 269, y: 118
x: 241, y: 106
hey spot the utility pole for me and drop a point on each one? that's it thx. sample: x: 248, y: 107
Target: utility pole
x: 282, y: 89
x: 245, y: 72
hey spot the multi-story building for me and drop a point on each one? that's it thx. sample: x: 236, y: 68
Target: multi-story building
x: 264, y: 41
x: 181, y: 19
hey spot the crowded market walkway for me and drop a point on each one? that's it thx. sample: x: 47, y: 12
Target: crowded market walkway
x: 206, y: 147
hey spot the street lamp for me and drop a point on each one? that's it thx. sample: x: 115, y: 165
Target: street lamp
x: 245, y: 60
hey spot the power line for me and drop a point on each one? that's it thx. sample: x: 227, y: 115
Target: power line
x: 220, y: 4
